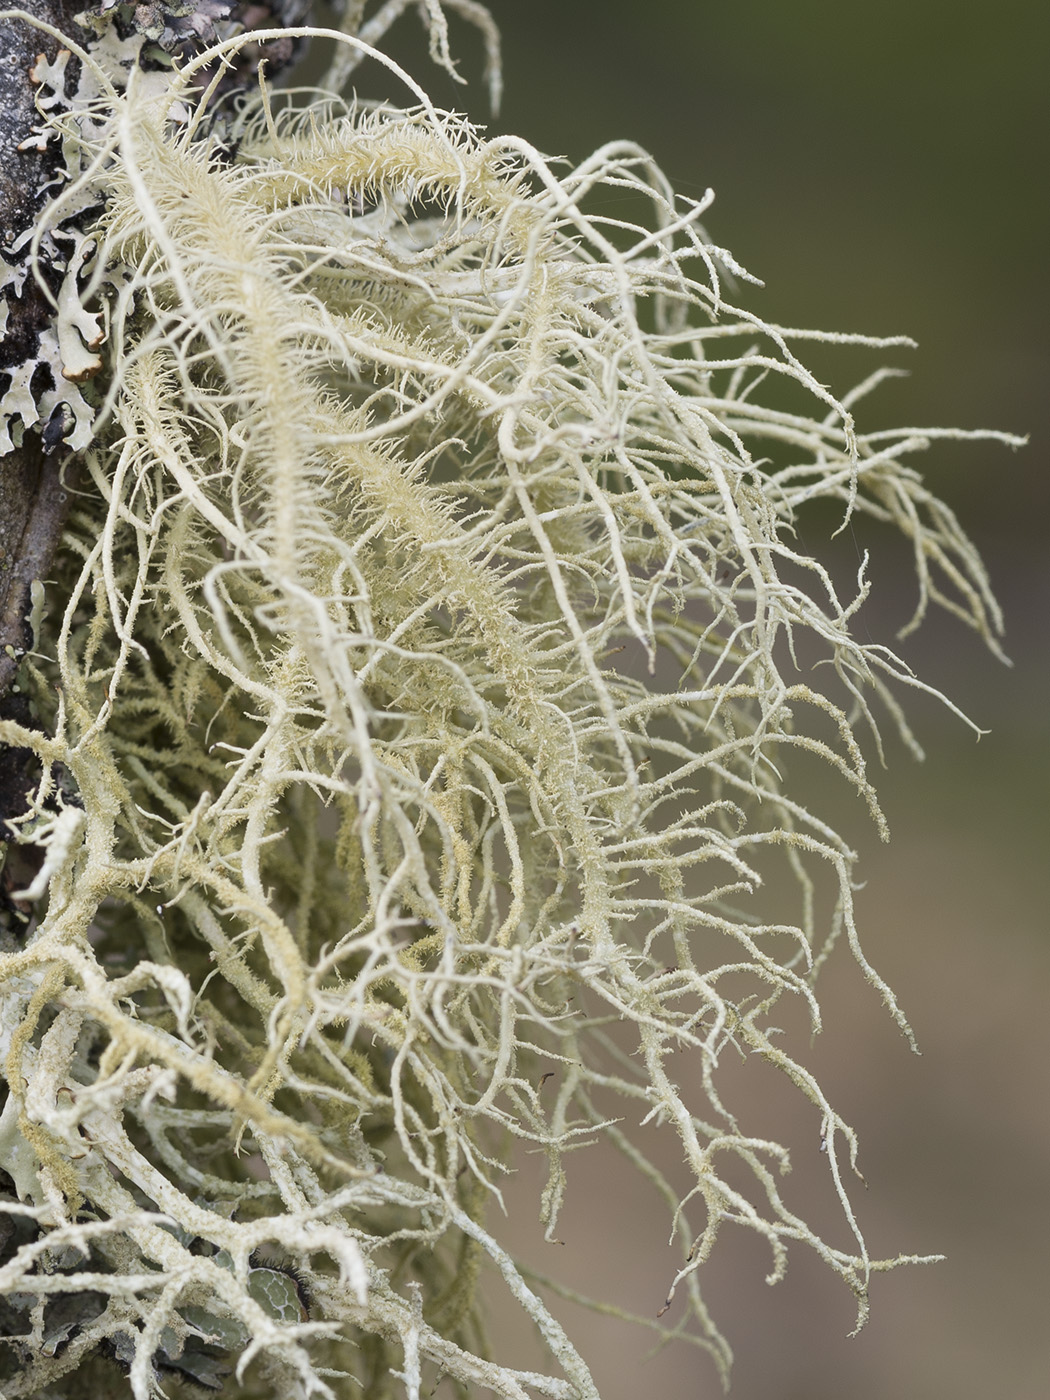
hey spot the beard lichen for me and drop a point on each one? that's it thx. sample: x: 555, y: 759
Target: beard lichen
x: 424, y: 634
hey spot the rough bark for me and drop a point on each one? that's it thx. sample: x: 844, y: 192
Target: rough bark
x: 32, y: 504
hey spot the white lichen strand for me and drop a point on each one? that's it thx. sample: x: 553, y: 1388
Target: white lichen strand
x: 434, y: 635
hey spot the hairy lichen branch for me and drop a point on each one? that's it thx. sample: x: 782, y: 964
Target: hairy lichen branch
x: 434, y: 639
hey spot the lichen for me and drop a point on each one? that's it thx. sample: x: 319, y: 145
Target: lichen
x: 430, y: 635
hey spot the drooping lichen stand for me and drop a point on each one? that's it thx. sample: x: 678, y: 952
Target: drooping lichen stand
x: 414, y: 685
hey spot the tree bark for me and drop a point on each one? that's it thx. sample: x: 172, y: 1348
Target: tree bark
x: 32, y: 504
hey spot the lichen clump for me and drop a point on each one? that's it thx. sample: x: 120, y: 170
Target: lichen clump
x: 414, y: 698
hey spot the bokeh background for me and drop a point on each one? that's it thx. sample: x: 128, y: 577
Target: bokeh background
x: 883, y: 167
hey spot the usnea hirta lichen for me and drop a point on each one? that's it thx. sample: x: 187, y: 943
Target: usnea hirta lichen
x: 412, y: 699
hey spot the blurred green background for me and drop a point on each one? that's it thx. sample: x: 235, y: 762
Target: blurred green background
x: 883, y: 167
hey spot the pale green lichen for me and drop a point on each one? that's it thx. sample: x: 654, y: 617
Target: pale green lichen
x: 415, y: 682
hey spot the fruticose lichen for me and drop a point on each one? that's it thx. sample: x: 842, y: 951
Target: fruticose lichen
x: 413, y: 690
